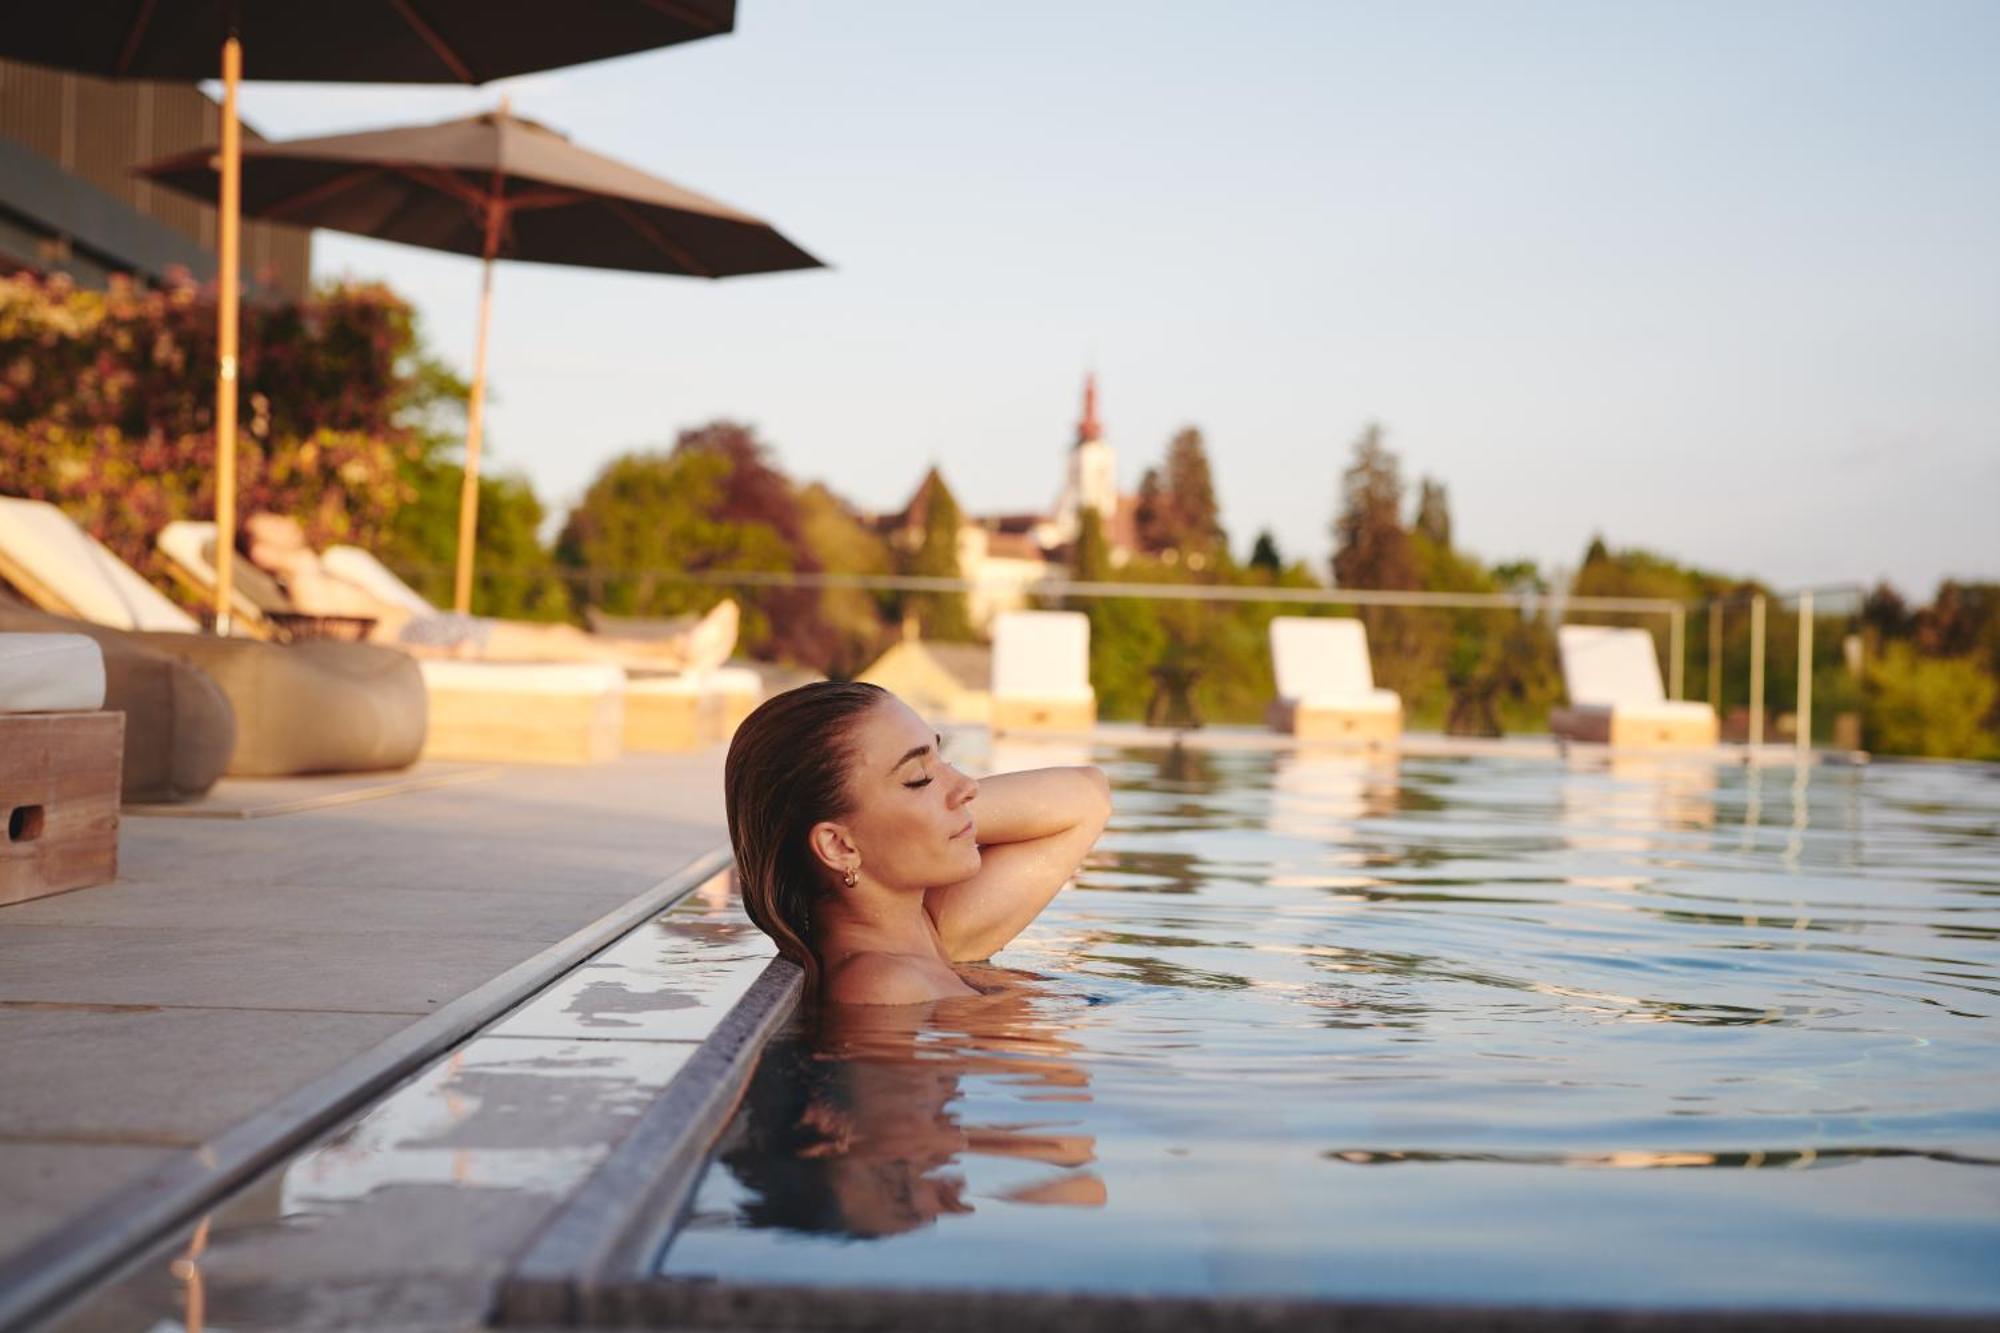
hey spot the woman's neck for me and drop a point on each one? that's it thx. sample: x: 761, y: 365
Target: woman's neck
x: 870, y: 919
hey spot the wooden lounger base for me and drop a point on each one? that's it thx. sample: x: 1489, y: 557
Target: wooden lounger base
x: 668, y: 721
x: 736, y: 705
x: 1053, y: 715
x: 59, y: 775
x: 503, y: 727
x: 1374, y: 729
x: 1630, y: 732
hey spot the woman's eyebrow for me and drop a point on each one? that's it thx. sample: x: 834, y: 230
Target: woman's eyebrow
x: 915, y: 752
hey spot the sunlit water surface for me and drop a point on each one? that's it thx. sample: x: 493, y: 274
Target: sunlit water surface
x: 1615, y: 1032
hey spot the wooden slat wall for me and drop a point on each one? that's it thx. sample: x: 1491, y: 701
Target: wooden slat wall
x: 100, y: 128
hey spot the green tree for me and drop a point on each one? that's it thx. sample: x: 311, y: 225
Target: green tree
x: 1929, y: 706
x: 1152, y: 515
x: 1434, y: 514
x: 649, y: 517
x: 940, y: 615
x: 513, y: 575
x: 842, y: 542
x: 1190, y: 490
x: 1371, y: 548
x: 1264, y: 557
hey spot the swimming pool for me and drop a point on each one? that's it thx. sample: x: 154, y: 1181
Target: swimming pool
x: 1610, y: 1032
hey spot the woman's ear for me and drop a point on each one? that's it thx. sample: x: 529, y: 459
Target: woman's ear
x: 832, y: 846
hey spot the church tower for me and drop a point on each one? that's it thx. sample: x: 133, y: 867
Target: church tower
x: 1092, y: 480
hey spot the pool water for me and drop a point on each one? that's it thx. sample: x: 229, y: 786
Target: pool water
x: 1468, y: 1030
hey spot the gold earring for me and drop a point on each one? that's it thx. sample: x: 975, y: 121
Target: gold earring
x: 848, y: 878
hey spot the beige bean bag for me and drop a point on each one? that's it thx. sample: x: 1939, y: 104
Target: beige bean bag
x: 179, y: 728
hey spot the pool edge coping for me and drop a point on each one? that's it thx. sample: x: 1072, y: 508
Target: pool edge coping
x: 601, y: 1240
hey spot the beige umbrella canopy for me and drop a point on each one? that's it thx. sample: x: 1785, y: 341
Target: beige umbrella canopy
x: 496, y: 186
x: 401, y: 41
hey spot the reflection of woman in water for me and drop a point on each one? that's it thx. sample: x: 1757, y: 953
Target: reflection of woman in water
x: 851, y: 1124
x: 874, y: 864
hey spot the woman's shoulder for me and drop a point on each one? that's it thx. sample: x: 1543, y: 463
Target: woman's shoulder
x: 870, y: 977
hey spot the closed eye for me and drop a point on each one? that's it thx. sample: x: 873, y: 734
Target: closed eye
x: 920, y: 782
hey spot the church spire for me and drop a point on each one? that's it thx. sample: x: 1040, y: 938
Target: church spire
x: 1089, y: 428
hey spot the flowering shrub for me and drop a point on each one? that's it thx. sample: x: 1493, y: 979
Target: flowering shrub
x: 107, y: 408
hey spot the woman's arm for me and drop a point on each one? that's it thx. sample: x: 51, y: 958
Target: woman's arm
x: 1033, y: 831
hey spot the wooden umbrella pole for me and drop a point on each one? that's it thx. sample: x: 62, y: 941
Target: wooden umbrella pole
x: 475, y: 412
x: 230, y: 207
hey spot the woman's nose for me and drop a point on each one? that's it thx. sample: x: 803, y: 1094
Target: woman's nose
x: 965, y: 789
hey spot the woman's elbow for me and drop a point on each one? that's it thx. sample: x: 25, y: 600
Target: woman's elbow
x: 1094, y: 803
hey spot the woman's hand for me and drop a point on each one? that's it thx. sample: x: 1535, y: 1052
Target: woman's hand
x: 1033, y: 831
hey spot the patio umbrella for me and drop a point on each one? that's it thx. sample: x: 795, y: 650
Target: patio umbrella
x: 399, y: 41
x: 493, y: 185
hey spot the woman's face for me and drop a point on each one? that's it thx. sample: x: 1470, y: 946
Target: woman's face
x: 912, y: 818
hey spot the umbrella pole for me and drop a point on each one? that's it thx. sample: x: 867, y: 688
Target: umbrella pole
x: 230, y: 210
x: 475, y: 412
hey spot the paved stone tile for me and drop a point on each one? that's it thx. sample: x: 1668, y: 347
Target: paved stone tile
x: 298, y: 967
x: 36, y: 1177
x: 166, y: 1075
x: 503, y: 909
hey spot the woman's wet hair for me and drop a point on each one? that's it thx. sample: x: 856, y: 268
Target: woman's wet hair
x: 787, y: 771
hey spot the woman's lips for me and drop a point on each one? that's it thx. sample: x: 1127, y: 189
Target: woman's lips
x: 964, y: 832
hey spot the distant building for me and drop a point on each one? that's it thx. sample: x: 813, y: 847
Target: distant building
x: 1004, y: 554
x: 69, y: 202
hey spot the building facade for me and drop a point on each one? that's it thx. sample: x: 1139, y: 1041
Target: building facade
x: 69, y: 202
x: 1004, y: 555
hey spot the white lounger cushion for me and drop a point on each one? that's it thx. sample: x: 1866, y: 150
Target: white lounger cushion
x: 50, y: 673
x: 78, y: 570
x: 1322, y: 662
x: 1607, y: 667
x: 1042, y: 655
x: 363, y: 570
x: 523, y: 677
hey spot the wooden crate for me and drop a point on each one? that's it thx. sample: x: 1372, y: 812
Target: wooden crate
x: 1059, y: 715
x: 1635, y: 730
x: 1363, y: 727
x: 1661, y: 733
x: 59, y: 775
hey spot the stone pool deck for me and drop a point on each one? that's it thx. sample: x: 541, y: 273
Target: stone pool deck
x: 254, y: 945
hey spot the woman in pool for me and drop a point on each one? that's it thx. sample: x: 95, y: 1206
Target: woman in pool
x: 873, y: 863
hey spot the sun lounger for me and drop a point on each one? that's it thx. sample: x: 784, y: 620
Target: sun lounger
x: 59, y: 761
x: 524, y: 712
x: 1326, y: 688
x: 61, y: 568
x: 663, y: 711
x: 318, y: 707
x: 1615, y: 694
x: 254, y: 597
x: 1041, y: 672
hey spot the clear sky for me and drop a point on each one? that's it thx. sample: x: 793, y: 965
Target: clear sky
x: 1717, y: 279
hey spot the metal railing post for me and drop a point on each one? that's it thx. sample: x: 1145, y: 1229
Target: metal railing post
x: 1803, y: 726
x: 1715, y: 657
x: 1677, y: 649
x: 1757, y: 670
